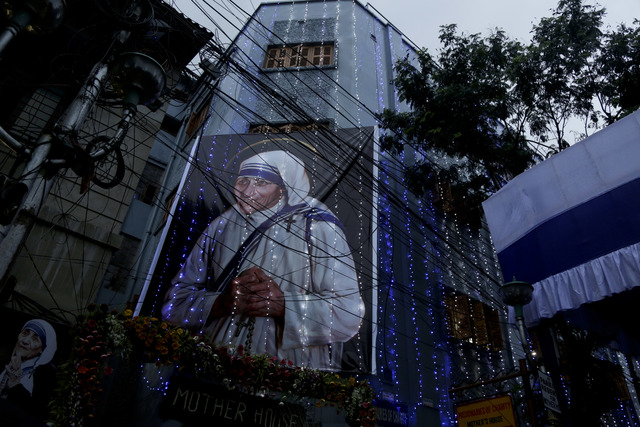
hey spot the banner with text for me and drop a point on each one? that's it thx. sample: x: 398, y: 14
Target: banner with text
x: 493, y: 412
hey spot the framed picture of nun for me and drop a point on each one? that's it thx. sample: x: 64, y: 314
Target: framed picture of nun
x: 29, y: 358
x: 270, y: 247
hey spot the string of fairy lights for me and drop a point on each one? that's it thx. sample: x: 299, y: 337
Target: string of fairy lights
x: 476, y: 270
x: 395, y: 301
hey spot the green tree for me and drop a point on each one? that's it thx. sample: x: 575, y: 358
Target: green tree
x: 487, y: 108
x: 562, y: 54
x: 464, y: 115
x: 618, y: 73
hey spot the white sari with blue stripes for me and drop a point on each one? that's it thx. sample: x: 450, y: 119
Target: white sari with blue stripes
x: 305, y: 251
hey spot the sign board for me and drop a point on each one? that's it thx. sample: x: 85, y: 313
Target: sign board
x: 199, y: 403
x: 390, y: 414
x: 493, y: 412
x: 548, y: 392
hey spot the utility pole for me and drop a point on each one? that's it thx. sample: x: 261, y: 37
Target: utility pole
x: 139, y: 79
x: 37, y: 183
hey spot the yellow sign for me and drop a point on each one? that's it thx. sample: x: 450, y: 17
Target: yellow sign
x: 494, y: 412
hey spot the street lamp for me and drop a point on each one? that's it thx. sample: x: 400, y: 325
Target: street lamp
x: 518, y: 294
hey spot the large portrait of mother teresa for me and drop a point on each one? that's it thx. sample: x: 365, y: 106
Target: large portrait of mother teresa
x: 273, y: 272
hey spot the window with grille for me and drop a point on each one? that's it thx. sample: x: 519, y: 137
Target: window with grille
x: 302, y: 55
x: 473, y: 321
x: 149, y: 184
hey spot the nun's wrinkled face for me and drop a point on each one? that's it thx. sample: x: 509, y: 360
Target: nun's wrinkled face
x: 29, y: 344
x: 256, y: 194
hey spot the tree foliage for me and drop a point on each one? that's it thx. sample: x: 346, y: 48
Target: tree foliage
x: 487, y: 108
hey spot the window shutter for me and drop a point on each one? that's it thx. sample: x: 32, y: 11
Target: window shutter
x: 299, y: 56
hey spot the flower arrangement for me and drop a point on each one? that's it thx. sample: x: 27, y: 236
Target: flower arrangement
x: 262, y: 374
x: 101, y: 334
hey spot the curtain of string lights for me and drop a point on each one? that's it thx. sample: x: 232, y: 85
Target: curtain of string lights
x: 420, y: 251
x: 451, y: 256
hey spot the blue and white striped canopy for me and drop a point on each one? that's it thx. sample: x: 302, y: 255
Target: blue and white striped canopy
x: 571, y: 224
